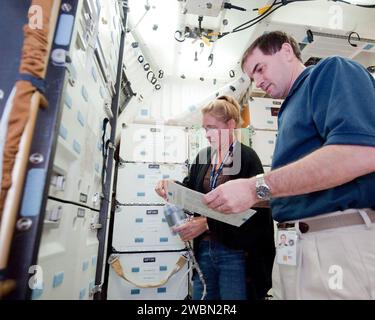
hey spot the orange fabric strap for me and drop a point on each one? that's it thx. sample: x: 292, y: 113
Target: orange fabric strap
x: 33, y: 62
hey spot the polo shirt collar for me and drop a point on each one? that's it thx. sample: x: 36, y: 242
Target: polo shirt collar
x: 300, y: 80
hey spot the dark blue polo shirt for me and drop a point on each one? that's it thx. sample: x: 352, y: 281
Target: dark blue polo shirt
x: 330, y: 103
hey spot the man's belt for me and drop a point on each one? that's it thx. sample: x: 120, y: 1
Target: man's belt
x: 329, y: 222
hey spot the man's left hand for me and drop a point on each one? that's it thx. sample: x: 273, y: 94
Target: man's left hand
x: 234, y: 196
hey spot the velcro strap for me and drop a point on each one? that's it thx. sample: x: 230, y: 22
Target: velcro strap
x: 115, y: 263
x: 38, y: 83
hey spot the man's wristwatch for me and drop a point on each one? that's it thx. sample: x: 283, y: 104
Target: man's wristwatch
x: 262, y: 190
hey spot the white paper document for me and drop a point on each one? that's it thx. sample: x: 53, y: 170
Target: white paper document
x: 193, y: 201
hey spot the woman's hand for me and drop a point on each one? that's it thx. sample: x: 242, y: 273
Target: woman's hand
x: 192, y: 228
x: 161, y: 189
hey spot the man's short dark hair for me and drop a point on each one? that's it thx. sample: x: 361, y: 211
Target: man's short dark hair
x: 270, y: 43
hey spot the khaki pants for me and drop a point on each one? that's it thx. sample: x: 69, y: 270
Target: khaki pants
x: 336, y: 263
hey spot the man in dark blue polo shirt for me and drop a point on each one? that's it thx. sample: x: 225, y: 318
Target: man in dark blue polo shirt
x: 323, y: 183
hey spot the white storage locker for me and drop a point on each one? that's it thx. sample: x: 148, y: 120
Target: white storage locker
x: 54, y: 270
x: 197, y: 141
x: 149, y: 268
x: 78, y: 160
x: 263, y: 142
x: 136, y: 181
x: 68, y: 252
x: 153, y: 143
x: 143, y: 228
x: 71, y: 179
x: 87, y: 256
x: 263, y: 113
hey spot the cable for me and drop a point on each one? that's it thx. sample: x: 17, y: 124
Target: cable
x: 228, y: 5
x: 104, y: 131
x: 200, y: 19
x: 104, y: 166
x: 245, y: 23
x: 358, y: 5
x: 197, y: 267
x: 179, y: 286
x: 271, y: 8
x: 105, y: 145
x: 350, y: 38
x: 175, y: 216
x: 180, y: 34
x: 260, y: 18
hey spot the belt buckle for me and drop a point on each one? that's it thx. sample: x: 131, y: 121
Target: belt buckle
x: 303, y: 226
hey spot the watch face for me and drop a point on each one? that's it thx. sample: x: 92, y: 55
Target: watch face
x: 263, y: 192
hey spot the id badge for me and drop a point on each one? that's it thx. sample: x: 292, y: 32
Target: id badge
x: 286, y: 247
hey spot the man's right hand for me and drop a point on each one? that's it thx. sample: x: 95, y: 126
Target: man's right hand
x: 161, y: 189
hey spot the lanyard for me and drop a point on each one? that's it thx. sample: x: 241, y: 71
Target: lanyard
x: 215, y: 174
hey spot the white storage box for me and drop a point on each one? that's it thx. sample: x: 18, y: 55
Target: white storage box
x: 263, y: 113
x: 153, y: 143
x: 136, y: 181
x: 67, y: 258
x: 143, y: 228
x: 198, y: 140
x: 149, y: 268
x: 263, y: 142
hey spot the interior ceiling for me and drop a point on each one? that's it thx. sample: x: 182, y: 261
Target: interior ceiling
x: 155, y: 29
x: 179, y: 58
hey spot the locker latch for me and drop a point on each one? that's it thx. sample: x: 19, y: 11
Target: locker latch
x: 95, y: 226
